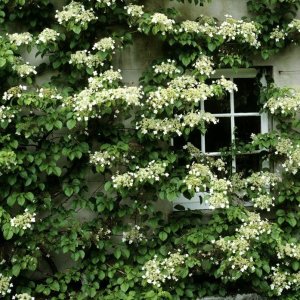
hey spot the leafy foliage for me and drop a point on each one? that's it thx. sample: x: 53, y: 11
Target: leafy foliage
x: 86, y: 163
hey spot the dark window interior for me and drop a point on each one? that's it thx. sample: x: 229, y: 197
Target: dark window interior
x: 218, y: 135
x: 247, y: 96
x: 244, y: 127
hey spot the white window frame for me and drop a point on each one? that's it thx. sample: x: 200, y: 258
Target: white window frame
x: 194, y: 203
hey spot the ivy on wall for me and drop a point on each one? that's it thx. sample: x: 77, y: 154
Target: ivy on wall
x: 84, y: 125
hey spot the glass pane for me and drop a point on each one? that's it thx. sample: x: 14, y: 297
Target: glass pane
x: 246, y: 99
x: 218, y: 106
x: 248, y: 163
x: 194, y: 138
x: 244, y: 127
x: 218, y: 135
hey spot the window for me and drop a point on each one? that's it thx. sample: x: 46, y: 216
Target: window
x: 239, y: 116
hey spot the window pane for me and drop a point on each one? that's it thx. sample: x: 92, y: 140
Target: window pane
x: 194, y: 138
x: 246, y: 99
x: 218, y: 106
x: 218, y: 135
x: 244, y: 127
x: 248, y: 163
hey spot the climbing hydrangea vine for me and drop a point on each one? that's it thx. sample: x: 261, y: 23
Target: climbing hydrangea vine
x: 90, y: 164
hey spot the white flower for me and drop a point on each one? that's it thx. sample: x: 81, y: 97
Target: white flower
x: 24, y: 70
x: 47, y: 35
x: 23, y: 221
x: 20, y: 39
x: 105, y: 44
x: 76, y: 13
x: 163, y: 22
x: 134, y: 10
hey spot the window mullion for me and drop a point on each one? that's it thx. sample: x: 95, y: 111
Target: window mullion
x: 232, y: 124
x: 203, y: 146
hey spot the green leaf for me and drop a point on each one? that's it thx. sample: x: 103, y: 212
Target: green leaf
x: 71, y: 124
x: 57, y: 171
x: 56, y: 64
x: 55, y: 286
x: 163, y: 235
x: 107, y: 185
x: 16, y: 270
x: 117, y: 253
x: 124, y: 287
x: 68, y: 191
x: 7, y: 231
x: 292, y: 221
x: 211, y: 47
x: 11, y: 200
x: 296, y: 265
x: 2, y: 62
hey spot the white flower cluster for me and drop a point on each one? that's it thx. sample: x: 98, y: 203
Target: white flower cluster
x: 198, y: 177
x: 204, y: 65
x: 23, y: 296
x: 47, y: 35
x: 84, y: 58
x: 196, y: 118
x: 5, y: 285
x: 264, y: 202
x: 152, y: 173
x: 183, y: 82
x: 108, y: 77
x: 233, y: 246
x: 135, y: 11
x: 175, y: 125
x: 102, y: 158
x: 280, y: 280
x: 75, y: 13
x: 8, y: 160
x: 24, y: 70
x: 242, y: 264
x: 232, y: 29
x: 168, y: 68
x: 105, y: 44
x: 6, y: 114
x: 158, y: 271
x: 15, y: 91
x: 164, y: 97
x: 163, y: 23
x: 133, y: 235
x: 23, y: 221
x: 199, y: 93
x: 106, y: 157
x: 84, y: 103
x: 288, y: 103
x: 190, y: 27
x: 292, y: 152
x: 19, y: 39
x: 102, y: 234
x: 206, y: 25
x: 237, y: 247
x: 259, y: 184
x: 289, y: 249
x: 295, y: 25
x: 166, y: 126
x: 278, y: 34
x: 218, y: 193
x: 253, y: 227
x: 226, y: 84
